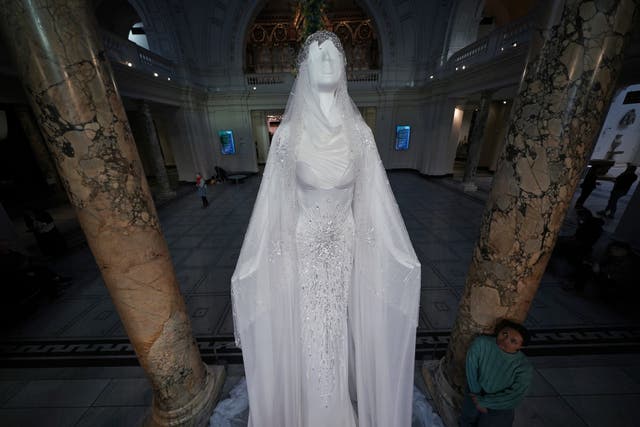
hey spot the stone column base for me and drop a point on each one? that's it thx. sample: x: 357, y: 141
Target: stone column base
x: 445, y: 399
x: 469, y: 187
x: 197, y: 412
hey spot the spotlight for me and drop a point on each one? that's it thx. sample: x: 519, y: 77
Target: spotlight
x: 169, y: 78
x: 129, y: 64
x: 155, y: 74
x: 514, y: 44
x: 254, y: 88
x: 464, y: 67
x: 504, y: 102
x: 431, y: 76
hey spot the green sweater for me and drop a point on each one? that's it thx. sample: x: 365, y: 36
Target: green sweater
x: 499, y: 379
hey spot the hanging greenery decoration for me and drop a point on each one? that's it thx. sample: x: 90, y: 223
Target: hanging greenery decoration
x: 312, y: 11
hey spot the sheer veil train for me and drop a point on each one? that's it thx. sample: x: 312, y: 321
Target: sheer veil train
x: 326, y: 290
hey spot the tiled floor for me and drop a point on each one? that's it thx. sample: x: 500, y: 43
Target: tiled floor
x: 80, y: 329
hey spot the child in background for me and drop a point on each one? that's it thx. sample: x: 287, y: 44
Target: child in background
x: 498, y: 375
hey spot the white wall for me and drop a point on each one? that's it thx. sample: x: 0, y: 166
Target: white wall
x: 439, y: 144
x: 260, y: 134
x: 237, y: 118
x: 464, y: 22
x: 630, y: 134
x: 392, y: 116
x: 192, y: 143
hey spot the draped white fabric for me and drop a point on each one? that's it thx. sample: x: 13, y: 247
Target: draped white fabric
x: 272, y: 304
x: 233, y: 411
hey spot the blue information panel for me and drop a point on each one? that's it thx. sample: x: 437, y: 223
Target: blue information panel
x: 226, y: 142
x: 403, y: 134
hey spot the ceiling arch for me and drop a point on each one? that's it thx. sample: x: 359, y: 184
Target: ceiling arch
x: 240, y: 15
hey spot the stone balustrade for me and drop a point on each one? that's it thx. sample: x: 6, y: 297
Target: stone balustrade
x: 509, y: 39
x: 125, y: 52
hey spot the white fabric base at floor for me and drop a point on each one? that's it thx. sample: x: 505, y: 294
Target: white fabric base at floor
x: 234, y: 411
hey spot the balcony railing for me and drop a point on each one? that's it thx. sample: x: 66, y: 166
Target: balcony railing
x: 499, y: 42
x: 283, y: 81
x: 130, y: 54
x: 266, y: 79
x: 363, y: 76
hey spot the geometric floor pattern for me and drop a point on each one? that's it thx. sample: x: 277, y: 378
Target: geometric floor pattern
x: 67, y: 362
x: 82, y: 326
x: 222, y: 350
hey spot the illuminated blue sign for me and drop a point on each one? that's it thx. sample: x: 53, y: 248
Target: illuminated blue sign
x: 403, y: 134
x: 226, y: 142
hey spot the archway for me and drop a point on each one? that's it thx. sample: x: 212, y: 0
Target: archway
x: 274, y: 37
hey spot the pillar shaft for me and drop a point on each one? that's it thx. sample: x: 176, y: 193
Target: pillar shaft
x: 157, y: 161
x: 39, y: 149
x: 476, y: 138
x: 576, y: 54
x: 70, y: 86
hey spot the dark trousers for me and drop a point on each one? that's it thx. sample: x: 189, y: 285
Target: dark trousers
x: 613, y: 202
x: 586, y: 191
x: 471, y: 417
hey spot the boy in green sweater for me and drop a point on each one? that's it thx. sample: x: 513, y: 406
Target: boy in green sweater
x: 498, y: 375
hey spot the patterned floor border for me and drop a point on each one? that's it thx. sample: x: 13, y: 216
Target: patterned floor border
x: 222, y: 349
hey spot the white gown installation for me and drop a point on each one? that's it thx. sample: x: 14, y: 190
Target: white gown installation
x: 326, y: 290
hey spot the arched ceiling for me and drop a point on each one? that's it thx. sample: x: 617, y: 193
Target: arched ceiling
x: 208, y: 38
x: 116, y: 16
x: 506, y: 11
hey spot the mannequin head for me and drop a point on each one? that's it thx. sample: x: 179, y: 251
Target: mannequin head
x: 326, y: 65
x: 322, y: 76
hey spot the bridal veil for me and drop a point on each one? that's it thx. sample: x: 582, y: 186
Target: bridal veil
x: 385, y: 284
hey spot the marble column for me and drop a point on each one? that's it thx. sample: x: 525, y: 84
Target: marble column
x: 66, y: 77
x: 476, y: 138
x: 575, y: 57
x: 163, y: 191
x: 39, y: 149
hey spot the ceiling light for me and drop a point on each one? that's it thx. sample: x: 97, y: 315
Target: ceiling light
x: 431, y: 76
x: 155, y: 74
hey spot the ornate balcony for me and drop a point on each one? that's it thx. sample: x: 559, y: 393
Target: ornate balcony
x: 506, y: 40
x: 131, y: 55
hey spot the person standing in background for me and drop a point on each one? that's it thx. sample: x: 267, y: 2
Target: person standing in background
x: 620, y: 188
x: 588, y: 184
x: 201, y: 185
